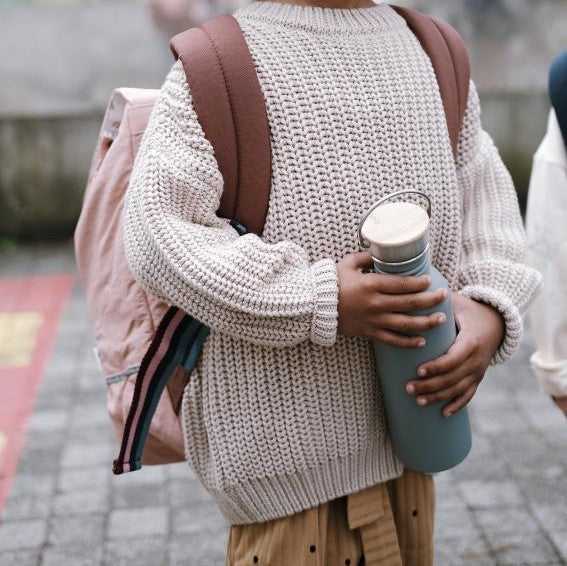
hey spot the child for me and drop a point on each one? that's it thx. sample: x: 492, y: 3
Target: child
x: 547, y: 240
x: 283, y: 416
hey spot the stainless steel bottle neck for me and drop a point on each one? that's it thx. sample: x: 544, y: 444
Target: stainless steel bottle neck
x: 413, y: 266
x: 400, y: 253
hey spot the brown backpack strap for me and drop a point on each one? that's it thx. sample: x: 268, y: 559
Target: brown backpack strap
x: 450, y: 61
x: 225, y: 91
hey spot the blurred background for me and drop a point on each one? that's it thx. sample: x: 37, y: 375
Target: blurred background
x: 61, y: 59
x: 59, y: 503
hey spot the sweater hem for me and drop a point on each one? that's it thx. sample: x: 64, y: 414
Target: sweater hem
x: 265, y: 499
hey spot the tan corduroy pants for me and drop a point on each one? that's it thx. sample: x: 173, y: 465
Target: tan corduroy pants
x: 389, y: 524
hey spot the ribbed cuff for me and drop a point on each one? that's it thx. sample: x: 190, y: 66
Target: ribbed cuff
x: 325, y: 315
x: 512, y: 318
x: 552, y: 375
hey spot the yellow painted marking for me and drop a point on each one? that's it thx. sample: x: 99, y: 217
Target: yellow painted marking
x: 18, y: 333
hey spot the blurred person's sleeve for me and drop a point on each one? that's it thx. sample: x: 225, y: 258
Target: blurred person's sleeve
x: 492, y: 266
x: 181, y: 252
x: 546, y: 222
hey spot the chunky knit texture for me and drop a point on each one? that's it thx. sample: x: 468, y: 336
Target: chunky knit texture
x: 282, y: 412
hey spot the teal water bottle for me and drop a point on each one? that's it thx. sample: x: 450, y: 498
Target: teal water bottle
x: 397, y: 236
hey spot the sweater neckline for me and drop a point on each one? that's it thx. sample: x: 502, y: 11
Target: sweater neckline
x: 374, y: 18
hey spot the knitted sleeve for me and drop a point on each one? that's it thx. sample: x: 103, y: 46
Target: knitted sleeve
x: 181, y: 252
x: 492, y: 268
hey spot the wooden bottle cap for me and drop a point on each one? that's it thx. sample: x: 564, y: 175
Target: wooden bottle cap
x: 396, y: 231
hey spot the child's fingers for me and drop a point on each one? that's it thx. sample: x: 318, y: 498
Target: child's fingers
x: 457, y: 355
x: 461, y: 401
x: 442, y: 382
x: 452, y: 391
x: 407, y: 323
x: 397, y: 340
x: 400, y: 284
x: 411, y: 301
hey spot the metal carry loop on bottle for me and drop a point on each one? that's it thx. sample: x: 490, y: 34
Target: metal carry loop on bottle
x: 363, y: 243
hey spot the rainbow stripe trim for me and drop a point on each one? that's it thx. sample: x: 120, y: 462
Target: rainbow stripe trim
x: 178, y: 341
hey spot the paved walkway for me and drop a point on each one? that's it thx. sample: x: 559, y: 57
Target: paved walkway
x: 506, y: 505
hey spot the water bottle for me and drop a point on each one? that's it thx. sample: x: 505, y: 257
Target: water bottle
x: 397, y: 236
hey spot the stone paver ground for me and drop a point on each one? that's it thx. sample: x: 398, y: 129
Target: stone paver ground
x: 507, y: 504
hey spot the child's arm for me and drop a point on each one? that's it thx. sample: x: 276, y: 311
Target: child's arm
x: 180, y: 251
x: 492, y: 266
x: 494, y: 285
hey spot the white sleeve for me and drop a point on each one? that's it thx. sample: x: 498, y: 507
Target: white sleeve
x: 546, y: 222
x: 181, y: 252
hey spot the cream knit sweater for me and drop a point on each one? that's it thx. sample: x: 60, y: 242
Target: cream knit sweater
x: 282, y: 412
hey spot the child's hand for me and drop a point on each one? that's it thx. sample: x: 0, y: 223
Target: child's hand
x: 373, y: 306
x: 456, y: 375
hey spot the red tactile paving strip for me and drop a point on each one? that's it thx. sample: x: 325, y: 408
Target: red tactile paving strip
x: 30, y: 309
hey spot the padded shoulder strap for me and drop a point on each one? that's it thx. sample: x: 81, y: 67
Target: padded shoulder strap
x: 450, y: 61
x: 232, y: 111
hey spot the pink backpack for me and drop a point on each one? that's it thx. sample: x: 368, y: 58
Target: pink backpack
x: 143, y: 344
